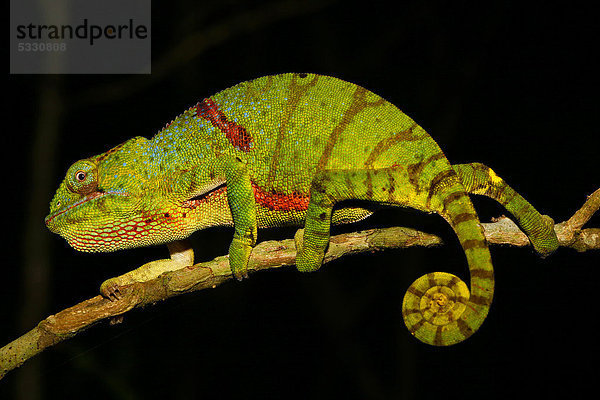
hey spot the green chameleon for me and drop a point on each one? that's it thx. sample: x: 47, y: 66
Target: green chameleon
x: 284, y: 150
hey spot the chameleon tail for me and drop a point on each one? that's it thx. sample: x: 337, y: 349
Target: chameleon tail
x: 480, y: 179
x: 438, y: 308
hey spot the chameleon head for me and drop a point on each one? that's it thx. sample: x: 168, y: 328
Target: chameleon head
x: 110, y: 202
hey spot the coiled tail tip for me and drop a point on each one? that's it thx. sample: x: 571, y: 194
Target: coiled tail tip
x: 437, y: 310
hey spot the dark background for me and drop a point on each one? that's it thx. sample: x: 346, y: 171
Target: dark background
x: 509, y: 85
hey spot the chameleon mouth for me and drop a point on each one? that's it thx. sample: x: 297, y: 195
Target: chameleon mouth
x: 92, y: 196
x: 212, y: 194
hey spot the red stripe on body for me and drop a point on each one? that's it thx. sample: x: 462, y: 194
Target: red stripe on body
x: 280, y: 202
x: 271, y: 201
x: 237, y: 134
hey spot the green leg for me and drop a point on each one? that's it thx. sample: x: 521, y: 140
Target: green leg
x: 480, y: 179
x: 316, y: 230
x: 240, y: 196
x: 243, y: 211
x: 330, y: 187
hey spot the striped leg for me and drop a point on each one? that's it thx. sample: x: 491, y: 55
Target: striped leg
x: 480, y: 179
x: 332, y: 186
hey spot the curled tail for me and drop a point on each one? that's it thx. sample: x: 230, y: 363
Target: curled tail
x: 438, y: 308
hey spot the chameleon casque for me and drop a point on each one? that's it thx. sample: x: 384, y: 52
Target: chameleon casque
x: 284, y: 150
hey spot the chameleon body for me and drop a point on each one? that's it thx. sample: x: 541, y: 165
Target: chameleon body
x: 285, y: 150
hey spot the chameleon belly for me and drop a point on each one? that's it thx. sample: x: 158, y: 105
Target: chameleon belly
x: 284, y: 150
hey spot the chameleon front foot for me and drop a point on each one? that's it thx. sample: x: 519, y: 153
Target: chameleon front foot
x: 110, y: 289
x: 182, y: 255
x: 299, y: 241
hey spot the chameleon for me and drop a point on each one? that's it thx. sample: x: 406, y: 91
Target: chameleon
x: 293, y: 149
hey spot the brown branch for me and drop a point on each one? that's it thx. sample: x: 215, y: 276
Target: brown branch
x: 267, y: 255
x: 570, y: 233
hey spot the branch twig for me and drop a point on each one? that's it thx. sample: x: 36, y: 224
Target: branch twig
x: 271, y: 254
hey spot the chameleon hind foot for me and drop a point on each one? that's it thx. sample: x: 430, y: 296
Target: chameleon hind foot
x: 545, y: 241
x: 433, y: 306
x: 182, y: 255
x: 302, y: 263
x: 339, y: 216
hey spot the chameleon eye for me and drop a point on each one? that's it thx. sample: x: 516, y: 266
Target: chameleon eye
x: 82, y: 177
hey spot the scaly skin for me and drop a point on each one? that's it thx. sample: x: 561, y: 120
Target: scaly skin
x: 284, y: 150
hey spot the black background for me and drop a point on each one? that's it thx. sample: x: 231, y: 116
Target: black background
x: 505, y: 84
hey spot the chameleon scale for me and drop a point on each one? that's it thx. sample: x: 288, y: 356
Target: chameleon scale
x: 284, y: 150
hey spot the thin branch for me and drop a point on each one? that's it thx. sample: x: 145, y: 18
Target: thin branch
x: 570, y: 233
x: 267, y: 255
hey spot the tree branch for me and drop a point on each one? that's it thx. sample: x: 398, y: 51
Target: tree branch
x: 271, y: 254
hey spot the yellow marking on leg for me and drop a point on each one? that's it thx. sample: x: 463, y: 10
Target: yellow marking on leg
x: 495, y: 178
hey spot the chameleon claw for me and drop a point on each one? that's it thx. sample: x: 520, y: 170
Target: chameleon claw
x: 241, y: 277
x: 239, y: 273
x: 299, y: 240
x: 116, y: 320
x: 110, y: 290
x: 239, y: 254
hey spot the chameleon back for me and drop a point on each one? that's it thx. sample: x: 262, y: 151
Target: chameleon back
x: 287, y: 127
x: 297, y: 124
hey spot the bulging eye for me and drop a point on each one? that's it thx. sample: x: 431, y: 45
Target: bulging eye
x: 82, y: 177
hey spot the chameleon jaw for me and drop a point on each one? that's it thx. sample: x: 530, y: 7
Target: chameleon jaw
x: 92, y: 196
